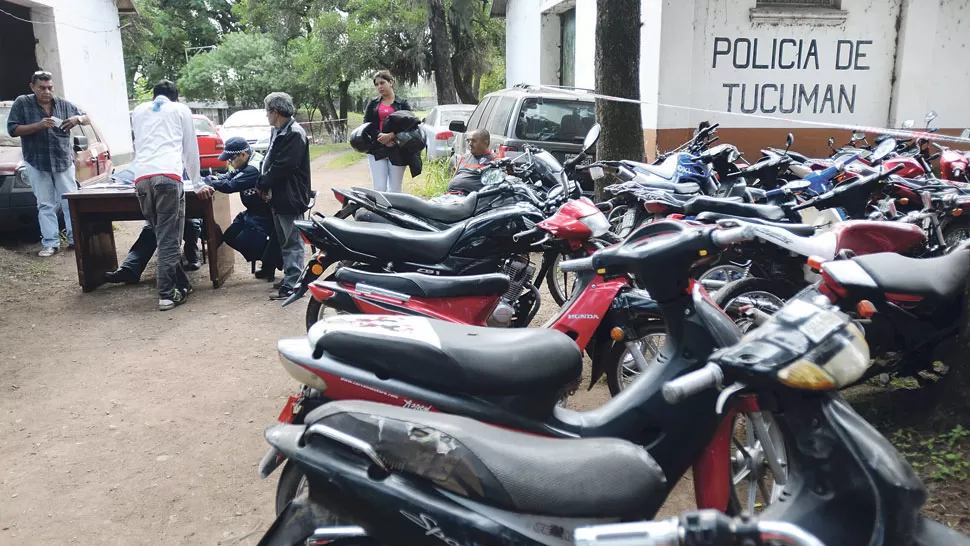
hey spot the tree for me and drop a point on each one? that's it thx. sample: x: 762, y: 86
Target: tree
x: 242, y: 70
x: 618, y: 74
x: 154, y: 42
x: 441, y: 53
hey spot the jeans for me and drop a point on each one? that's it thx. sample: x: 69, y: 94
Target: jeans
x: 291, y: 246
x: 162, y: 202
x: 144, y: 247
x: 49, y: 189
x: 384, y: 175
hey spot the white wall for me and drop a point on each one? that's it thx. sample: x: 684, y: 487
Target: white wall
x: 734, y: 62
x: 522, y: 38
x: 586, y: 44
x: 87, y: 61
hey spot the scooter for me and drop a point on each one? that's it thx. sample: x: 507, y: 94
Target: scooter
x: 515, y: 378
x: 409, y: 477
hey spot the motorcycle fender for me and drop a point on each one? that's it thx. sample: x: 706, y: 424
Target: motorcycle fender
x: 314, y: 268
x: 626, y: 303
x: 342, y: 299
x: 721, y: 327
x: 279, y: 436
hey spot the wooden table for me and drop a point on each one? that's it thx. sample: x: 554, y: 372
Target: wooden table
x: 93, y: 209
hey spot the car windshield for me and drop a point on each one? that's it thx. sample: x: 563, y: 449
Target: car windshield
x: 552, y: 120
x: 202, y: 127
x: 247, y: 118
x: 447, y: 116
x: 5, y: 139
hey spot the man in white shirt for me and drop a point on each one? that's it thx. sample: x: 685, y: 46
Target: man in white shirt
x: 165, y: 145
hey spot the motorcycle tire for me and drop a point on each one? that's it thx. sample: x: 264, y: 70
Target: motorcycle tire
x: 955, y: 232
x: 560, y: 294
x: 618, y: 374
x: 780, y: 291
x: 292, y: 480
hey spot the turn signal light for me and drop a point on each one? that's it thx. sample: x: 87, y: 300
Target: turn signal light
x: 904, y: 200
x: 616, y: 334
x: 316, y: 269
x: 806, y: 375
x: 815, y: 263
x: 957, y: 212
x: 865, y: 308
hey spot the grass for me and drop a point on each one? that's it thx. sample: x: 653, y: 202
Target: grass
x: 942, y: 456
x: 345, y: 159
x: 433, y: 180
x: 318, y: 150
x: 39, y: 269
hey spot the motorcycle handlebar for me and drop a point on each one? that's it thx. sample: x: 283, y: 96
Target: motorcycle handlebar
x: 579, y: 264
x: 845, y: 187
x: 687, y: 385
x: 729, y: 236
x: 703, y: 526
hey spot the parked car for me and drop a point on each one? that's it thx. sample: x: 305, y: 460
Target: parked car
x: 249, y: 124
x: 18, y: 207
x: 439, y: 137
x: 210, y: 144
x: 554, y: 121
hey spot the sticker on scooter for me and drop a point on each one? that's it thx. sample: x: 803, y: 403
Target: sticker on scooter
x: 430, y: 527
x: 583, y: 316
x: 414, y: 328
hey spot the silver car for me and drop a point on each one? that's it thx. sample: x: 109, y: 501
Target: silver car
x: 252, y: 125
x: 440, y: 139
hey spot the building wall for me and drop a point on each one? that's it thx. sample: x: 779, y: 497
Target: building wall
x: 729, y: 58
x: 87, y: 62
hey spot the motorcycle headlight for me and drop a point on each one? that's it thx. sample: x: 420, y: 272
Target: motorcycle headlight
x: 19, y: 181
x: 839, y: 354
x: 492, y: 176
x: 597, y: 223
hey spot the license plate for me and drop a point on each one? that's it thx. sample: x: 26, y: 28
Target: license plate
x: 629, y: 217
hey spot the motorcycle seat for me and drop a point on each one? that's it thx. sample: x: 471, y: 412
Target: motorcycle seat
x: 665, y: 170
x: 429, y: 286
x: 393, y: 243
x: 940, y: 281
x: 802, y: 230
x: 514, y: 471
x: 703, y: 203
x: 679, y: 188
x: 451, y: 357
x: 448, y: 214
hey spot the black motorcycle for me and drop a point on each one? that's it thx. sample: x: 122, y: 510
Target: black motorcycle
x: 410, y: 477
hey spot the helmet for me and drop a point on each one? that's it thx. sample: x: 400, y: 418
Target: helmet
x: 362, y: 138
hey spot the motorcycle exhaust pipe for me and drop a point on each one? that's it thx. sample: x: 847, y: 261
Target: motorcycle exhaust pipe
x: 324, y: 535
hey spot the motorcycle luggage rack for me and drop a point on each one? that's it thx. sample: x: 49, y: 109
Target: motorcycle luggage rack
x: 347, y: 440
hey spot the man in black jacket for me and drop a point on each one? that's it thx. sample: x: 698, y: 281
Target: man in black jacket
x: 285, y: 184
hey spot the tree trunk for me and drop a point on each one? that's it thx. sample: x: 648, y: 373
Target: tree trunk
x: 444, y: 76
x: 477, y: 86
x: 618, y: 74
x: 954, y: 402
x: 463, y: 84
x: 343, y: 89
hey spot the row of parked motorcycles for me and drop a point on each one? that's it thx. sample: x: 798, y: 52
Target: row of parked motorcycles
x: 726, y: 303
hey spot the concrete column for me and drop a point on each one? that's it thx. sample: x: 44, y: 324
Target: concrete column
x: 914, y: 71
x: 585, y: 43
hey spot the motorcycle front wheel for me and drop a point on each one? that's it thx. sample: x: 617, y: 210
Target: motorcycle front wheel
x: 622, y: 368
x: 766, y: 295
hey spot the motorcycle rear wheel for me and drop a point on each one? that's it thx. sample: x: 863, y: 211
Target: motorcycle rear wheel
x: 621, y: 369
x: 767, y: 295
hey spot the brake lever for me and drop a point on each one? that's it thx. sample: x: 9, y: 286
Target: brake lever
x: 726, y: 394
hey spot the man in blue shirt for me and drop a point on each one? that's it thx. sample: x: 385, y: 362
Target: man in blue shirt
x: 44, y: 122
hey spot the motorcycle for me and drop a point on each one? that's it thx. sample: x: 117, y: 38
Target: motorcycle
x: 515, y: 378
x: 403, y: 476
x: 483, y: 300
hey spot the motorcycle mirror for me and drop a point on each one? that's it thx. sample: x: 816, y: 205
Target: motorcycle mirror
x: 930, y: 116
x: 832, y: 142
x: 591, y: 137
x: 789, y: 140
x: 858, y: 135
x: 965, y: 133
x: 908, y: 124
x: 596, y: 173
x: 882, y: 150
x: 797, y: 185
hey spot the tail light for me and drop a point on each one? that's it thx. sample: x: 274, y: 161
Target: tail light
x: 503, y: 149
x: 831, y: 288
x: 220, y: 145
x: 444, y: 135
x: 305, y: 240
x: 654, y: 207
x: 320, y: 293
x: 340, y: 197
x: 302, y: 374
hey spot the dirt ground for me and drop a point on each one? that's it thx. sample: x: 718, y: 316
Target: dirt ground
x: 124, y: 425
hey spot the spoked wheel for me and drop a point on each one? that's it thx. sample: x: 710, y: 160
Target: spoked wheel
x: 717, y: 277
x: 622, y: 368
x: 317, y: 311
x: 956, y: 233
x: 561, y: 284
x: 765, y: 295
x: 759, y: 463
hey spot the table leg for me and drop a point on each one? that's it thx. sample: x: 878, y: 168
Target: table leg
x: 221, y: 256
x: 95, y: 252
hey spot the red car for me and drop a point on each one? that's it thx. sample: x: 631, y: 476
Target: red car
x: 210, y: 144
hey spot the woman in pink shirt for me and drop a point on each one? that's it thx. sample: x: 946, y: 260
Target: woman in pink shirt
x: 384, y: 175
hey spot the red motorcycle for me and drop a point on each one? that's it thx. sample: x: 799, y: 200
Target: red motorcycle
x: 514, y: 378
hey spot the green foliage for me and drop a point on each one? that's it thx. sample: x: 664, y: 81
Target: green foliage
x: 318, y: 150
x: 941, y: 457
x: 242, y: 70
x: 345, y: 160
x: 154, y: 42
x: 433, y: 180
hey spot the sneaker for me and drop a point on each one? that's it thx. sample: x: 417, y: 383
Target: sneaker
x: 192, y: 266
x: 284, y: 293
x: 120, y: 275
x: 47, y: 251
x: 277, y: 285
x: 178, y: 298
x: 268, y: 275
